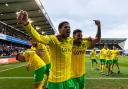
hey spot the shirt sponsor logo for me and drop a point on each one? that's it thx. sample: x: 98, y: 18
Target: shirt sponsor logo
x: 79, y: 52
x: 66, y: 49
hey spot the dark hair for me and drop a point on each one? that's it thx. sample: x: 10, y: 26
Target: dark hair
x: 17, y: 56
x: 62, y: 23
x: 76, y: 30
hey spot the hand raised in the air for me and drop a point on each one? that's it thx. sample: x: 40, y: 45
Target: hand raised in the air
x: 97, y: 22
x: 22, y: 17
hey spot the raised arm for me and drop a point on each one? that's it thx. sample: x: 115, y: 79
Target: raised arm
x: 22, y: 17
x: 98, y: 34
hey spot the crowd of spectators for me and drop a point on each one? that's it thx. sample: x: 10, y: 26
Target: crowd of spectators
x: 11, y: 32
x: 10, y: 50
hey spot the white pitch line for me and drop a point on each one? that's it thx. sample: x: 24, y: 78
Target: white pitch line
x: 16, y: 77
x: 107, y: 78
x: 86, y: 78
x: 6, y: 65
x: 12, y: 68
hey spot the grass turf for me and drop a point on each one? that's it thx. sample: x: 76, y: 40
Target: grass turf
x: 15, y: 76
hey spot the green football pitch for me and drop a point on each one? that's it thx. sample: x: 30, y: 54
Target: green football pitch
x: 15, y: 76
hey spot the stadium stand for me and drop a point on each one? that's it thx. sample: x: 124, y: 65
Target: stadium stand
x: 13, y: 37
x: 35, y: 9
x: 12, y: 33
x: 118, y: 42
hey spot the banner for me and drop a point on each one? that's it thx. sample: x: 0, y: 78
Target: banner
x: 13, y: 39
x: 7, y: 60
x: 2, y: 36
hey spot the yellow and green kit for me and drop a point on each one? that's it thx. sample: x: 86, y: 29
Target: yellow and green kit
x: 37, y: 63
x: 60, y: 52
x: 78, y: 63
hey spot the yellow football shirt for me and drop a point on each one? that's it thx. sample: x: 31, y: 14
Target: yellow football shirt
x: 115, y: 54
x: 108, y: 55
x: 60, y: 53
x: 45, y: 56
x: 102, y: 54
x: 78, y: 59
x: 93, y: 54
x: 33, y: 59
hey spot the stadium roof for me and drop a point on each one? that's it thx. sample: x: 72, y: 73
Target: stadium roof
x: 35, y: 9
x: 112, y: 40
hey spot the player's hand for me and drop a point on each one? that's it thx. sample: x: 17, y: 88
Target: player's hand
x: 22, y: 17
x: 97, y: 22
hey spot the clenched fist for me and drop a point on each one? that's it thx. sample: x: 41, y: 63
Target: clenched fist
x: 22, y: 17
x: 97, y: 22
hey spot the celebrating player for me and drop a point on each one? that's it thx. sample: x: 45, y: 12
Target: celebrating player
x: 37, y: 63
x: 43, y: 53
x: 115, y: 55
x: 93, y: 58
x: 60, y: 52
x: 102, y: 59
x: 80, y: 46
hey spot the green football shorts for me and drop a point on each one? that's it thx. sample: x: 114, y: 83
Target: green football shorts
x: 80, y: 82
x: 102, y: 61
x: 69, y: 84
x: 109, y: 62
x: 39, y: 74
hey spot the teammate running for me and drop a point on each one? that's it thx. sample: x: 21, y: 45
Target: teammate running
x: 93, y: 58
x: 108, y: 58
x: 102, y: 59
x: 115, y: 55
